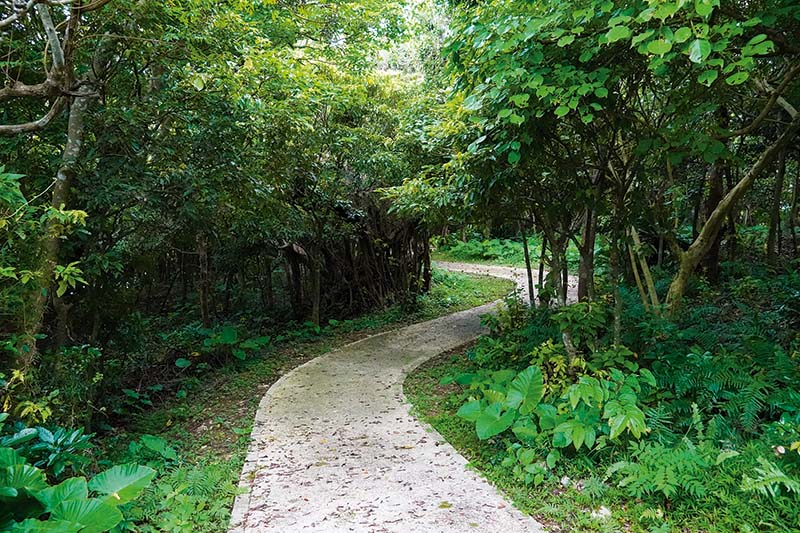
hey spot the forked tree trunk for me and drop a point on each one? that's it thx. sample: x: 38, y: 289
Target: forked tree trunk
x: 705, y: 239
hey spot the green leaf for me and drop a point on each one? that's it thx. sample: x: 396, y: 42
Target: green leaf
x: 122, y: 483
x: 705, y: 7
x: 32, y: 525
x: 578, y: 434
x: 10, y: 457
x: 525, y: 429
x: 699, y: 50
x: 683, y: 34
x: 526, y: 390
x: 198, y: 83
x: 503, y: 113
x: 22, y: 476
x: 601, y: 92
x: 737, y: 79
x: 513, y: 157
x: 708, y: 77
x: 516, y: 119
x: 228, y: 335
x: 491, y: 422
x: 561, y: 111
x: 71, y: 489
x: 565, y: 40
x: 470, y: 410
x: 659, y: 47
x: 94, y: 515
x: 618, y: 33
x: 183, y: 363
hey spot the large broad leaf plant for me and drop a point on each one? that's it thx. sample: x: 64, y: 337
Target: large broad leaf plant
x: 29, y: 502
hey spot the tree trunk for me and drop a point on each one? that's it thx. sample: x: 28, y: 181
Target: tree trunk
x: 316, y: 290
x: 705, y: 239
x: 544, y: 301
x: 773, y: 240
x: 34, y: 319
x: 204, y: 285
x: 648, y: 278
x: 715, y: 192
x: 793, y: 213
x: 639, y: 286
x: 528, y: 270
x: 615, y: 277
x: 586, y: 267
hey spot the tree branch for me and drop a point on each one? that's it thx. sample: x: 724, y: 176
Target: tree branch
x: 36, y: 125
x: 776, y: 94
x: 18, y: 89
x: 52, y: 36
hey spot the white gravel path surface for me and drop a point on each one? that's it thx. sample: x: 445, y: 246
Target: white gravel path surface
x: 334, y: 447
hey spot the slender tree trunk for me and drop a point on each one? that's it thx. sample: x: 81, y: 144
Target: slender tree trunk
x: 204, y: 285
x: 586, y: 267
x: 269, y: 288
x: 528, y: 270
x: 316, y: 290
x: 427, y: 273
x: 793, y: 212
x: 295, y: 282
x: 697, y: 250
x: 544, y: 301
x: 615, y: 279
x: 648, y: 277
x: 639, y: 286
x: 773, y: 237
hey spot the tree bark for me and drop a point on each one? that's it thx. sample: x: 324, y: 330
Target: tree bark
x: 316, y: 290
x: 528, y: 270
x: 648, y: 277
x: 715, y: 193
x: 204, y: 285
x: 544, y: 301
x: 586, y: 249
x: 705, y: 239
x: 773, y: 239
x: 34, y: 319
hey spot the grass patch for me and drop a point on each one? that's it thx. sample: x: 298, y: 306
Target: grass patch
x: 209, y: 429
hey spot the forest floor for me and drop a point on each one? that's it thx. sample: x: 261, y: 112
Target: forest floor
x: 334, y: 447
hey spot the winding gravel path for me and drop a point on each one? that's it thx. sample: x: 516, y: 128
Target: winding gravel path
x: 334, y: 447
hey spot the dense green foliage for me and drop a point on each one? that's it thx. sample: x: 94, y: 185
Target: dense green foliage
x: 699, y: 419
x: 188, y: 189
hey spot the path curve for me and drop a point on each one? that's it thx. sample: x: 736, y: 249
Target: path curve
x: 335, y: 448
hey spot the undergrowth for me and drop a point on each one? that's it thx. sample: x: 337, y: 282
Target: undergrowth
x: 691, y: 425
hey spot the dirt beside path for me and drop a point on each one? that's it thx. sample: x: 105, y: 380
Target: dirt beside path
x: 334, y: 447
